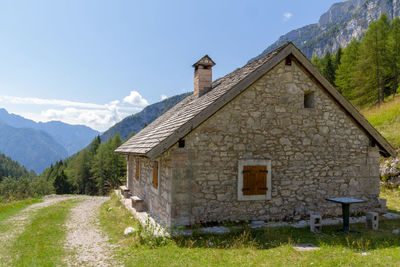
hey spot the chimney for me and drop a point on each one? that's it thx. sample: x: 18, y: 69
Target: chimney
x: 203, y: 75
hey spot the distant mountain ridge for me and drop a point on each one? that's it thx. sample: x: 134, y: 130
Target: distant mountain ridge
x: 38, y: 145
x: 136, y: 122
x: 72, y: 137
x: 32, y: 148
x: 337, y: 27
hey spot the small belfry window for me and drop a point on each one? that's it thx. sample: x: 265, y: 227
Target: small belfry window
x: 137, y: 169
x: 155, y: 175
x: 254, y: 179
x: 309, y: 100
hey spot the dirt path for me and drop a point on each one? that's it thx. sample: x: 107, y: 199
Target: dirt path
x: 84, y: 240
x: 17, y: 222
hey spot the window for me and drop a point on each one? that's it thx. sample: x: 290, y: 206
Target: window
x: 309, y: 100
x: 155, y: 175
x: 181, y: 143
x: 288, y: 61
x: 254, y: 179
x: 137, y: 169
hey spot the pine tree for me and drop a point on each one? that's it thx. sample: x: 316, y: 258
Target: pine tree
x: 99, y: 169
x: 338, y: 58
x: 79, y: 173
x: 344, y: 80
x: 61, y: 184
x: 393, y: 48
x: 94, y: 145
x: 328, y: 69
x: 118, y: 163
x: 372, y: 68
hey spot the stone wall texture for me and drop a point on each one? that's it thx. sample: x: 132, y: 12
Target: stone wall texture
x: 315, y: 153
x: 157, y: 202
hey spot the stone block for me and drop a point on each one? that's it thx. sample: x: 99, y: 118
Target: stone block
x: 125, y: 191
x: 382, y: 205
x: 138, y: 204
x: 316, y: 223
x: 372, y: 220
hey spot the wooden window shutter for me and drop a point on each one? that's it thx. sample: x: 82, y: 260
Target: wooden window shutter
x: 155, y: 174
x: 254, y: 180
x: 261, y: 180
x: 137, y: 169
x: 247, y: 180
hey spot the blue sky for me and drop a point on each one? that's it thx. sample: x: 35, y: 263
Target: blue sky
x: 95, y: 62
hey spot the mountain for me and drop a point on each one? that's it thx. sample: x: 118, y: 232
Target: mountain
x: 72, y: 137
x: 11, y: 168
x: 337, y: 27
x: 136, y: 122
x: 34, y: 149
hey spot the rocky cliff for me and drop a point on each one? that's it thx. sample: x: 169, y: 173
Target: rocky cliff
x: 338, y: 26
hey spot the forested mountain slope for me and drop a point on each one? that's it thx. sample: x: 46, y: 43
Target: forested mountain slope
x: 136, y: 122
x: 11, y: 168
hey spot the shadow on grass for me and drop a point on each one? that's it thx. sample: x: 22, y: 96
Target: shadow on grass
x: 115, y: 219
x: 393, y: 211
x: 273, y: 237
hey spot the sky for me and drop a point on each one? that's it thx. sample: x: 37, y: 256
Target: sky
x: 94, y: 62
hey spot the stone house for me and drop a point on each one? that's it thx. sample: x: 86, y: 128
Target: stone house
x: 269, y: 141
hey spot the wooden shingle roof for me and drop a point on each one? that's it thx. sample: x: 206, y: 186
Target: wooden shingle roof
x: 177, y: 122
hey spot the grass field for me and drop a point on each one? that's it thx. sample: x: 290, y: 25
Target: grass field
x: 266, y: 247
x: 8, y: 209
x: 41, y: 242
x: 385, y: 118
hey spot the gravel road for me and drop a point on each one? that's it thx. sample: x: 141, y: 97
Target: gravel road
x: 85, y: 241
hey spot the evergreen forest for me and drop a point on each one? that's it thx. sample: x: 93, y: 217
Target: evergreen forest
x: 366, y: 71
x: 94, y: 170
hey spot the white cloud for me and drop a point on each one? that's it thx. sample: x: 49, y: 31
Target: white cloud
x: 163, y: 97
x: 43, y: 101
x: 100, y: 119
x: 96, y: 116
x: 135, y: 99
x: 287, y: 16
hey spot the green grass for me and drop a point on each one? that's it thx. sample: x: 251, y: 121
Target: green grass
x: 8, y: 209
x: 392, y: 197
x: 386, y: 119
x: 266, y: 247
x: 41, y: 243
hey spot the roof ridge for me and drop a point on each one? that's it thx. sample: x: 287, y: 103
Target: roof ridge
x: 176, y: 123
x: 277, y: 50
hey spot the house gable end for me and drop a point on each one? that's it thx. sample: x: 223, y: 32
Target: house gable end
x: 219, y: 103
x: 386, y: 148
x: 288, y: 51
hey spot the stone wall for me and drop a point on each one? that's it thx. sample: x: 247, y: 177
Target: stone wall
x: 158, y: 202
x: 315, y: 153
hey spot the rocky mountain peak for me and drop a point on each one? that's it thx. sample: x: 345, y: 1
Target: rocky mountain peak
x: 338, y: 26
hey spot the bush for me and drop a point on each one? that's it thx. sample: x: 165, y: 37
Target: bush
x: 12, y: 189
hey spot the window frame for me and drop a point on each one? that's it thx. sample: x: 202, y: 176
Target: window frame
x: 156, y: 190
x: 253, y: 162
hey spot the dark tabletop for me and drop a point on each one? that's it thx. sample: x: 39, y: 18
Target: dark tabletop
x: 345, y: 200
